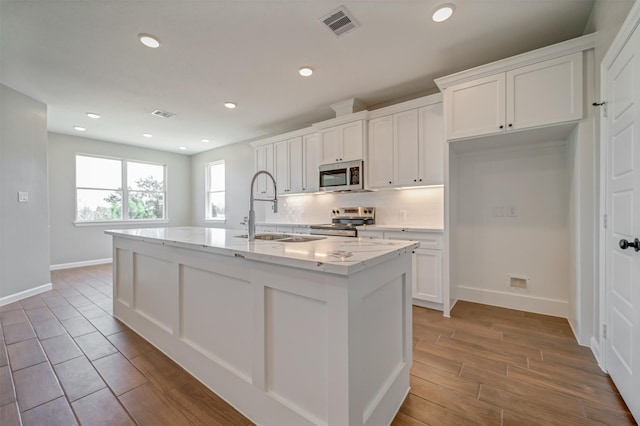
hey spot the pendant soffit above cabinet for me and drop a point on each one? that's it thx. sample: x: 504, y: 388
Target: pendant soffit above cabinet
x: 548, y: 52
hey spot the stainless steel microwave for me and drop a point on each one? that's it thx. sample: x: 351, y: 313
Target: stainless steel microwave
x: 343, y: 176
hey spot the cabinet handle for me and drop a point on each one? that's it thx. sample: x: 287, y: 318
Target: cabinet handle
x: 510, y: 125
x: 501, y: 126
x: 420, y: 180
x: 389, y: 181
x: 415, y: 180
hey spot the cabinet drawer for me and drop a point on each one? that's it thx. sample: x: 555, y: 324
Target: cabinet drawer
x: 427, y: 240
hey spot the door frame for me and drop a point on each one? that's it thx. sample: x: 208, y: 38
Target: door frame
x: 598, y: 341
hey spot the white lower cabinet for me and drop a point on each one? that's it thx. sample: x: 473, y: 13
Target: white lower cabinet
x: 427, y: 263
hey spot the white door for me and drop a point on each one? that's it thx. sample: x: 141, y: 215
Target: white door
x: 622, y: 265
x: 406, y: 155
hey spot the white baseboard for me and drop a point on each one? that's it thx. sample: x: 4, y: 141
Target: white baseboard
x: 520, y: 301
x: 79, y: 264
x: 595, y: 349
x: 24, y: 294
x: 426, y: 304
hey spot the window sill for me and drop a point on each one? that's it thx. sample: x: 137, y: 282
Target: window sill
x: 116, y: 223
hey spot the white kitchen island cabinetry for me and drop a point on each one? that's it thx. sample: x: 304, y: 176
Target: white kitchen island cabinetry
x: 406, y: 147
x: 530, y: 94
x: 302, y: 333
x: 427, y: 285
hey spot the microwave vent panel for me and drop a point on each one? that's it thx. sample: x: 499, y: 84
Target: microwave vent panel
x: 339, y: 21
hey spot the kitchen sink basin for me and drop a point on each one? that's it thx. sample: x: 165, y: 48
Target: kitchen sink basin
x: 267, y: 236
x: 300, y: 239
x: 283, y: 238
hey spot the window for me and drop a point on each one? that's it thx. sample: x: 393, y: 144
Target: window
x: 100, y: 191
x: 215, y: 191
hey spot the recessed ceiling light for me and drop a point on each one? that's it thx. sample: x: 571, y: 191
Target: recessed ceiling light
x: 230, y: 105
x: 443, y: 12
x: 305, y: 71
x: 93, y: 115
x: 147, y: 135
x: 182, y: 148
x: 80, y: 128
x: 149, y: 40
x: 205, y: 140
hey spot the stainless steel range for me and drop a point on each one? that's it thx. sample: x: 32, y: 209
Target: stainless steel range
x: 344, y: 221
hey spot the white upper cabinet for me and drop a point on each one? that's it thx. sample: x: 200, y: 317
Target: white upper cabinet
x: 380, y: 167
x: 545, y: 93
x: 406, y: 148
x: 431, y: 144
x: 537, y: 94
x: 343, y: 142
x: 288, y: 165
x: 264, y: 160
x: 311, y: 156
x: 476, y: 108
x: 292, y: 159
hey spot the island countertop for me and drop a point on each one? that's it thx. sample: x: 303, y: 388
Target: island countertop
x: 337, y: 255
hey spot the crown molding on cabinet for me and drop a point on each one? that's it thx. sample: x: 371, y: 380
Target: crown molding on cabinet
x: 284, y: 136
x: 362, y: 115
x: 407, y: 105
x: 549, y: 52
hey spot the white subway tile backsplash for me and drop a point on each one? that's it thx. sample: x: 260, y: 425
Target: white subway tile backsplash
x: 421, y: 206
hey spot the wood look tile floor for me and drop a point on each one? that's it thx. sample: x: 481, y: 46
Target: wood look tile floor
x: 65, y: 360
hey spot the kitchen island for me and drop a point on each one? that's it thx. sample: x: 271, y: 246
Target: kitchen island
x: 289, y: 333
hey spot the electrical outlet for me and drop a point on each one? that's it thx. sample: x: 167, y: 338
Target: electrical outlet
x: 23, y: 197
x: 498, y: 211
x: 512, y: 211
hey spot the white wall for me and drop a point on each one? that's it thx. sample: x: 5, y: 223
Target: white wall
x: 24, y: 227
x: 239, y: 169
x: 535, y: 243
x: 72, y: 244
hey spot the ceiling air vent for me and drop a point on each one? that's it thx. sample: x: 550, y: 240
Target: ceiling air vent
x: 339, y: 21
x: 164, y: 114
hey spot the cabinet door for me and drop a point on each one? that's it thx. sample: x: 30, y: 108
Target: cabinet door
x: 545, y: 93
x: 427, y: 275
x: 311, y: 155
x: 352, y: 141
x: 476, y: 107
x: 295, y: 165
x: 380, y: 165
x: 406, y: 155
x: 431, y: 145
x: 264, y: 161
x: 282, y: 166
x: 330, y: 145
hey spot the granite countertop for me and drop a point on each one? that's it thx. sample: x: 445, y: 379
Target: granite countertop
x: 412, y: 228
x: 337, y: 255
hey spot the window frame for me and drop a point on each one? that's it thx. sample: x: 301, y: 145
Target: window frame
x: 207, y: 191
x: 124, y: 191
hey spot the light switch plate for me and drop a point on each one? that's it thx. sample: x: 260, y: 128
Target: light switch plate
x: 23, y: 197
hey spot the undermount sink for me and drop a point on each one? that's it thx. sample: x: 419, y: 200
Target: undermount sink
x: 283, y: 238
x: 300, y: 239
x: 268, y: 236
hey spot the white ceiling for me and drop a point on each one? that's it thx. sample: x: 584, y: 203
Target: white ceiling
x: 84, y: 56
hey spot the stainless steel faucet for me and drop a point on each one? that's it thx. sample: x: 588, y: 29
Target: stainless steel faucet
x: 251, y: 231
